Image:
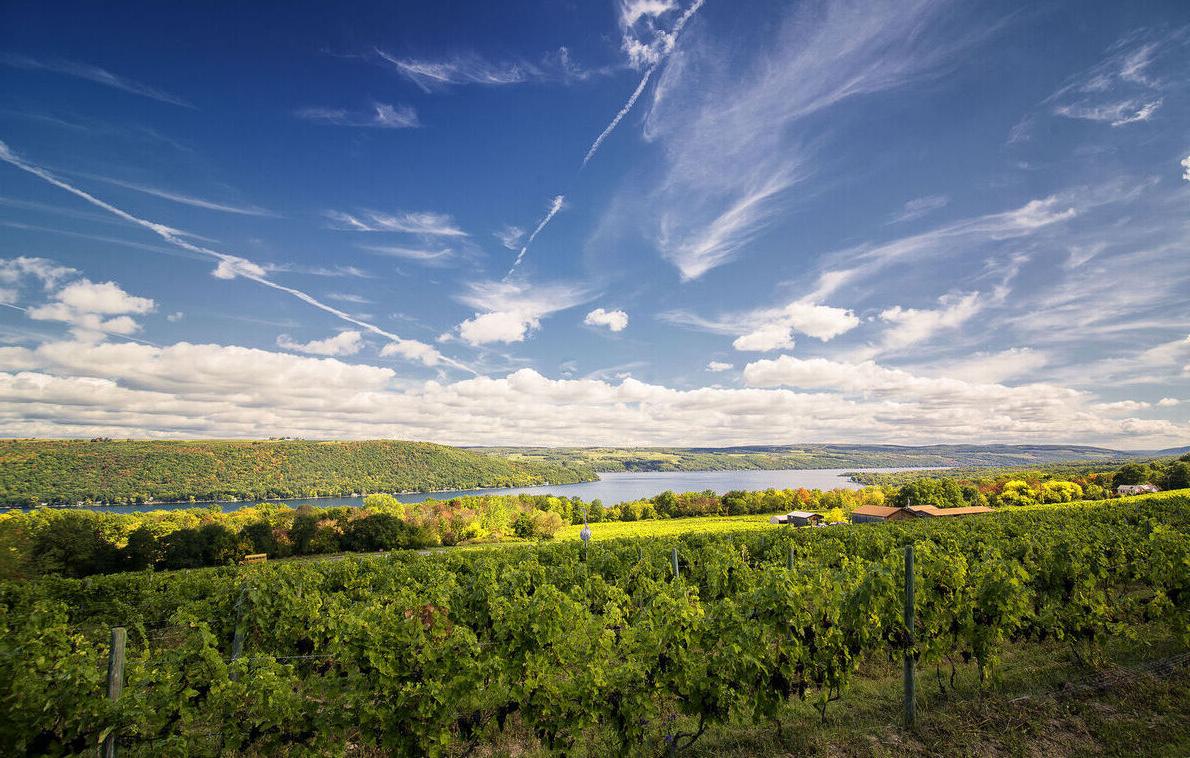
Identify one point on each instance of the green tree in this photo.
(1060, 492)
(380, 531)
(1177, 475)
(142, 550)
(74, 546)
(1132, 473)
(182, 549)
(385, 503)
(1017, 492)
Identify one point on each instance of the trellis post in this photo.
(115, 681)
(910, 673)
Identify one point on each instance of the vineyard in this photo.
(599, 649)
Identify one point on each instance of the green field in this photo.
(667, 527)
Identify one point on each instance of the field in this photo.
(667, 527)
(533, 649)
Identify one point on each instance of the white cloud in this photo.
(920, 206)
(434, 75)
(726, 125)
(94, 74)
(104, 297)
(1120, 89)
(766, 338)
(498, 326)
(382, 116)
(1117, 114)
(229, 266)
(45, 271)
(94, 309)
(991, 367)
(510, 236)
(911, 325)
(1186, 168)
(616, 320)
(183, 390)
(425, 223)
(344, 343)
(510, 311)
(347, 297)
(428, 257)
(175, 316)
(716, 367)
(1168, 402)
(182, 199)
(772, 328)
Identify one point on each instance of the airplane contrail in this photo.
(670, 42)
(231, 266)
(556, 205)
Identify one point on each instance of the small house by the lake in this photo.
(933, 511)
(797, 518)
(1137, 489)
(866, 514)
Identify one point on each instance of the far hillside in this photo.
(129, 471)
(807, 456)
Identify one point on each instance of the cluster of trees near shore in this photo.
(78, 542)
(1055, 483)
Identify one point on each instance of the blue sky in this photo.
(633, 222)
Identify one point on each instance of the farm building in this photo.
(871, 513)
(1137, 489)
(933, 511)
(797, 518)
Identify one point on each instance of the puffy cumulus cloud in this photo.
(772, 328)
(1186, 168)
(46, 272)
(348, 342)
(187, 390)
(498, 326)
(94, 308)
(412, 350)
(1168, 402)
(716, 367)
(230, 266)
(766, 338)
(616, 321)
(508, 311)
(104, 297)
(946, 405)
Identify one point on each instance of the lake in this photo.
(611, 488)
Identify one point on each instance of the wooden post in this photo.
(910, 679)
(674, 556)
(115, 681)
(237, 642)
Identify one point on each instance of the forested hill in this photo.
(122, 471)
(806, 456)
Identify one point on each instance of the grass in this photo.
(611, 530)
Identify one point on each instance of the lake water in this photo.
(611, 488)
